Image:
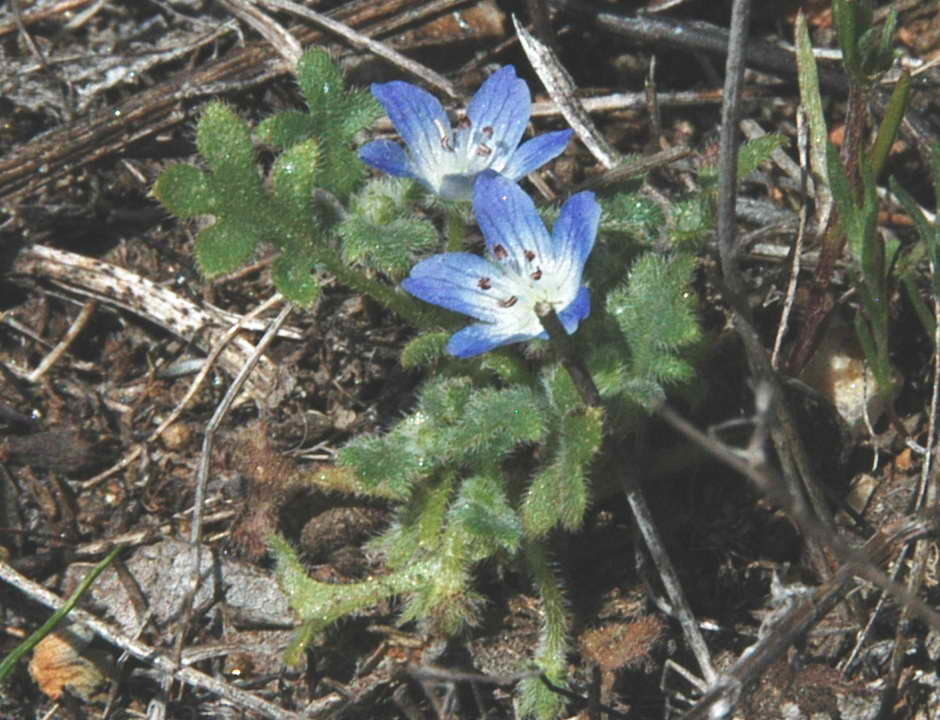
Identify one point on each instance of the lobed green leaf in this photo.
(184, 191)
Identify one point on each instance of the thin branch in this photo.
(194, 386)
(202, 471)
(278, 37)
(561, 88)
(88, 309)
(806, 613)
(358, 40)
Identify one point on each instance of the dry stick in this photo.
(561, 88)
(286, 45)
(926, 498)
(790, 628)
(634, 168)
(694, 36)
(721, 698)
(802, 143)
(241, 699)
(574, 364)
(21, 27)
(207, 365)
(612, 102)
(118, 286)
(652, 106)
(361, 41)
(21, 20)
(793, 456)
(202, 470)
(77, 326)
(755, 467)
(97, 134)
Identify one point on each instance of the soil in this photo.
(97, 98)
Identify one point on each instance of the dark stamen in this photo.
(484, 283)
(529, 256)
(446, 143)
(464, 123)
(509, 302)
(537, 275)
(484, 151)
(487, 132)
(499, 252)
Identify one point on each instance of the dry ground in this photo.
(95, 99)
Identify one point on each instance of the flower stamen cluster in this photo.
(446, 159)
(526, 269)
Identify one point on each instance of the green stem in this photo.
(553, 644)
(454, 227)
(10, 661)
(570, 357)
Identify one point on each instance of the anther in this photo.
(487, 131)
(537, 275)
(465, 123)
(484, 151)
(484, 283)
(499, 252)
(529, 256)
(509, 302)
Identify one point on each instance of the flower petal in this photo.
(576, 228)
(481, 337)
(452, 280)
(577, 310)
(504, 104)
(386, 156)
(507, 217)
(534, 153)
(417, 115)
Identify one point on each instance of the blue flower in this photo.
(526, 267)
(447, 160)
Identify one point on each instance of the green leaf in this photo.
(632, 213)
(285, 129)
(424, 350)
(295, 279)
(392, 247)
(294, 176)
(841, 189)
(756, 151)
(656, 315)
(320, 80)
(322, 604)
(559, 495)
(443, 400)
(224, 247)
(184, 191)
(693, 220)
(847, 30)
(494, 423)
(482, 510)
(224, 141)
(890, 124)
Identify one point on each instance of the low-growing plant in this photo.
(501, 447)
